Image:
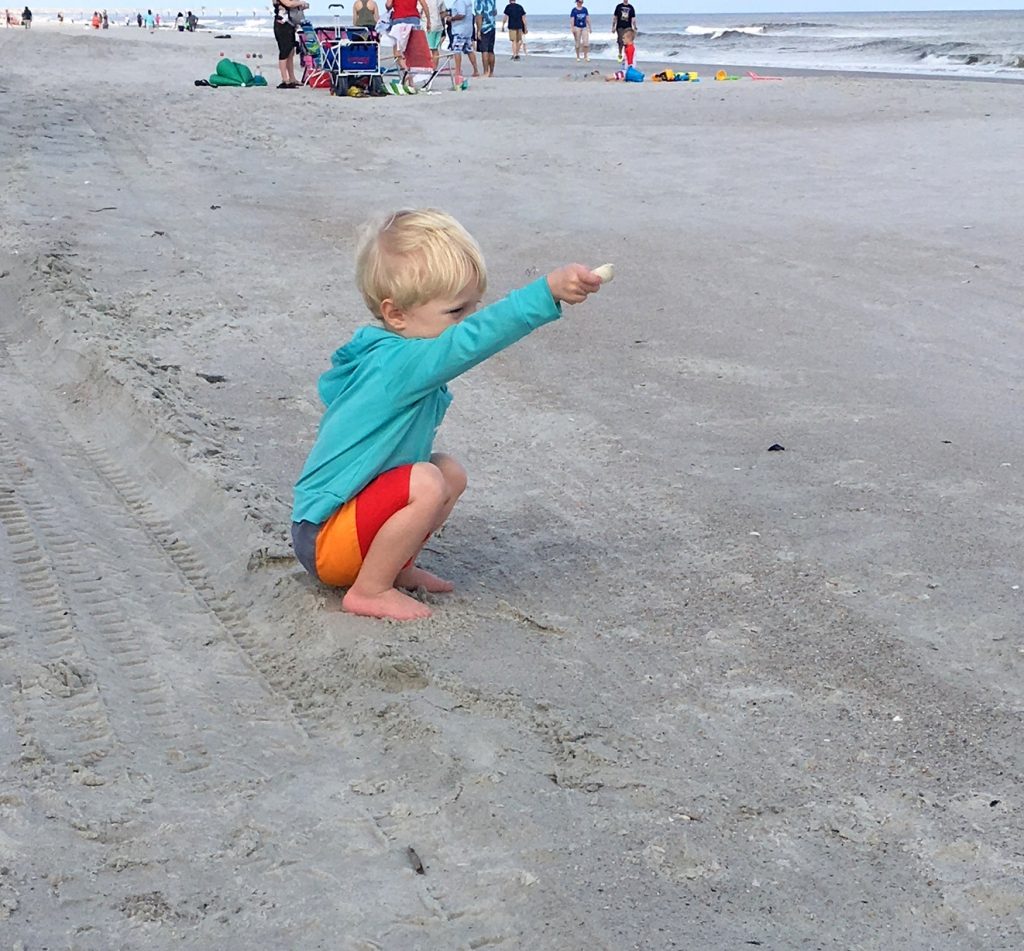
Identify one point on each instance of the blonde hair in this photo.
(416, 256)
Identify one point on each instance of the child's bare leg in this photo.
(373, 593)
(455, 482)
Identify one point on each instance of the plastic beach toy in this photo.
(722, 75)
(670, 76)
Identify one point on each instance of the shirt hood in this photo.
(346, 361)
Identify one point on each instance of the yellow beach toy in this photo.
(722, 75)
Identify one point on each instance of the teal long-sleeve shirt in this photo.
(386, 395)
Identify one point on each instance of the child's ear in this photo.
(392, 316)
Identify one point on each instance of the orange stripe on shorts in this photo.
(346, 536)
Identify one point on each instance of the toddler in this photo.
(372, 489)
(628, 57)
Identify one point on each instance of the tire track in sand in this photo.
(122, 619)
(145, 693)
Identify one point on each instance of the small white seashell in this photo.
(606, 272)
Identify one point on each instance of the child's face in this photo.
(434, 317)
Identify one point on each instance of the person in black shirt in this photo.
(515, 17)
(623, 19)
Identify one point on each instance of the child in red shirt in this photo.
(628, 47)
(629, 55)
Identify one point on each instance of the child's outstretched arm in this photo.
(432, 362)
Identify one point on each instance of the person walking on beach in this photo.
(191, 21)
(515, 18)
(624, 18)
(579, 19)
(486, 14)
(460, 15)
(138, 19)
(105, 20)
(150, 21)
(372, 490)
(287, 16)
(179, 22)
(26, 18)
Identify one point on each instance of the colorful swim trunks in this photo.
(334, 551)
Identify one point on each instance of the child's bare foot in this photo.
(388, 604)
(414, 578)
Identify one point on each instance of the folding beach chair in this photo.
(420, 63)
(358, 63)
(317, 54)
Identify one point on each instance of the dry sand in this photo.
(690, 693)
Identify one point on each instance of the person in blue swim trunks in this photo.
(486, 14)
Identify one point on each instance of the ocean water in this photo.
(947, 43)
(968, 43)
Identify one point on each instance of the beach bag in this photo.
(633, 75)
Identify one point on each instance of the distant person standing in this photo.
(436, 30)
(486, 14)
(191, 21)
(365, 14)
(579, 19)
(138, 19)
(460, 15)
(26, 18)
(405, 18)
(623, 19)
(150, 21)
(179, 22)
(287, 16)
(106, 20)
(515, 18)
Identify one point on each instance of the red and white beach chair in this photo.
(419, 63)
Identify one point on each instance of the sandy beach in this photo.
(690, 693)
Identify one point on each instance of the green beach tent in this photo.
(235, 74)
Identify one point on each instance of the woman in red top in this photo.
(405, 11)
(405, 17)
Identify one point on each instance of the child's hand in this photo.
(573, 283)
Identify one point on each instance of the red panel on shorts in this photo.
(387, 494)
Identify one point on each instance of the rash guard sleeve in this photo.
(423, 365)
